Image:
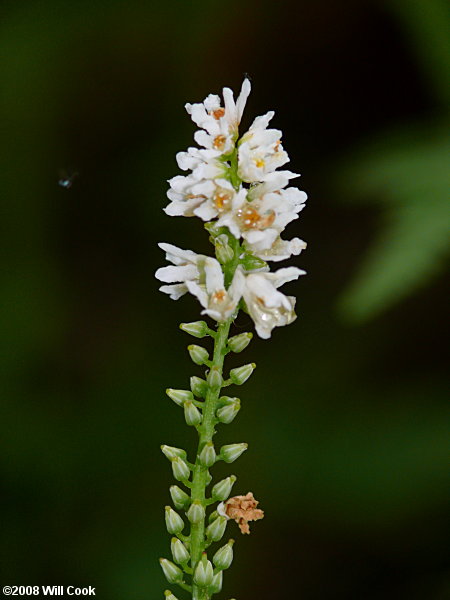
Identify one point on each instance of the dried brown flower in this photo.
(243, 509)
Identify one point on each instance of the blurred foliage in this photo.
(407, 174)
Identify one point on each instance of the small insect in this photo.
(66, 178)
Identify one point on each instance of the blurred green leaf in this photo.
(427, 26)
(409, 175)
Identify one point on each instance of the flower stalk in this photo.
(235, 188)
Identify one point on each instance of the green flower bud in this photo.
(180, 499)
(213, 516)
(212, 228)
(196, 512)
(179, 396)
(224, 400)
(224, 556)
(179, 552)
(180, 470)
(241, 374)
(174, 522)
(172, 572)
(207, 456)
(214, 378)
(169, 596)
(198, 354)
(216, 583)
(203, 574)
(216, 529)
(231, 452)
(227, 413)
(239, 342)
(191, 414)
(199, 387)
(170, 452)
(224, 251)
(222, 490)
(198, 329)
(251, 262)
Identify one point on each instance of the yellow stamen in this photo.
(219, 142)
(218, 113)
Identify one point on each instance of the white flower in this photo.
(261, 220)
(218, 302)
(189, 266)
(272, 182)
(206, 199)
(260, 150)
(267, 306)
(220, 124)
(203, 163)
(187, 193)
(282, 249)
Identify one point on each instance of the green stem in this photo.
(234, 177)
(206, 432)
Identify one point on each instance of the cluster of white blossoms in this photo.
(236, 186)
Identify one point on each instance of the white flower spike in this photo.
(238, 187)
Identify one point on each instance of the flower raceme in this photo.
(236, 187)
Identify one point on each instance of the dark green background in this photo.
(346, 415)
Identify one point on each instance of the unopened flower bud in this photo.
(169, 596)
(203, 574)
(191, 414)
(216, 583)
(180, 499)
(214, 378)
(207, 456)
(198, 329)
(231, 452)
(241, 374)
(174, 522)
(196, 512)
(170, 452)
(179, 551)
(180, 469)
(222, 490)
(224, 556)
(172, 572)
(224, 400)
(224, 251)
(239, 342)
(199, 387)
(216, 529)
(213, 516)
(251, 262)
(179, 396)
(198, 354)
(227, 413)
